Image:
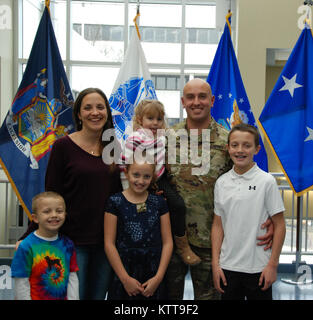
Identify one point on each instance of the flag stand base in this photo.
(296, 279)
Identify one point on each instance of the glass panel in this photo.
(160, 30)
(58, 17)
(200, 16)
(32, 13)
(171, 102)
(31, 17)
(161, 82)
(100, 77)
(101, 33)
(157, 15)
(200, 53)
(198, 73)
(162, 52)
(172, 83)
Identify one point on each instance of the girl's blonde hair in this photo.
(148, 107)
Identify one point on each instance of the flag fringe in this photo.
(300, 193)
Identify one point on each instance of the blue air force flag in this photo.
(231, 104)
(287, 117)
(41, 112)
(132, 85)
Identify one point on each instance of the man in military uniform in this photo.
(197, 190)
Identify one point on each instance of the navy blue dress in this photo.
(138, 241)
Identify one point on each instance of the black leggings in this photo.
(241, 286)
(176, 205)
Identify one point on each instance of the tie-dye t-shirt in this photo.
(47, 264)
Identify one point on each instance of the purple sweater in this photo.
(86, 183)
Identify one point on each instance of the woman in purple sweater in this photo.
(77, 172)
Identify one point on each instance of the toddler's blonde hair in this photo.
(148, 107)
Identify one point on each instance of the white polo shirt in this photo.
(244, 203)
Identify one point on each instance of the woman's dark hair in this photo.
(78, 103)
(77, 107)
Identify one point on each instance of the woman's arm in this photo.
(167, 248)
(131, 285)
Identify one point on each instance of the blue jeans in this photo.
(95, 272)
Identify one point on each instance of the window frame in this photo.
(200, 70)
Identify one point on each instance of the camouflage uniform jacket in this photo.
(197, 190)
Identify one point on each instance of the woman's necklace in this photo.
(94, 153)
(91, 148)
(94, 150)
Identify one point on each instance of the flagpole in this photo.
(299, 231)
(296, 278)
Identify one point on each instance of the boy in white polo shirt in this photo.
(244, 198)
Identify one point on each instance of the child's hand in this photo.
(150, 286)
(132, 286)
(268, 276)
(218, 275)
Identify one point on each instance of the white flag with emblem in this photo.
(132, 85)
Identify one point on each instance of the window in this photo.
(178, 37)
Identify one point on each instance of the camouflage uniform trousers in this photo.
(201, 276)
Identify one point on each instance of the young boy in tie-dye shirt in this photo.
(44, 265)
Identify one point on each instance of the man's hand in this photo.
(267, 239)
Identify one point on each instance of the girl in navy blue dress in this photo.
(138, 240)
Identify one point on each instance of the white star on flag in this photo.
(220, 96)
(310, 136)
(290, 85)
(230, 95)
(241, 100)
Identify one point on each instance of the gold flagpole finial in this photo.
(47, 4)
(136, 24)
(227, 20)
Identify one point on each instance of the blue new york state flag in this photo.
(287, 117)
(132, 85)
(41, 112)
(231, 104)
